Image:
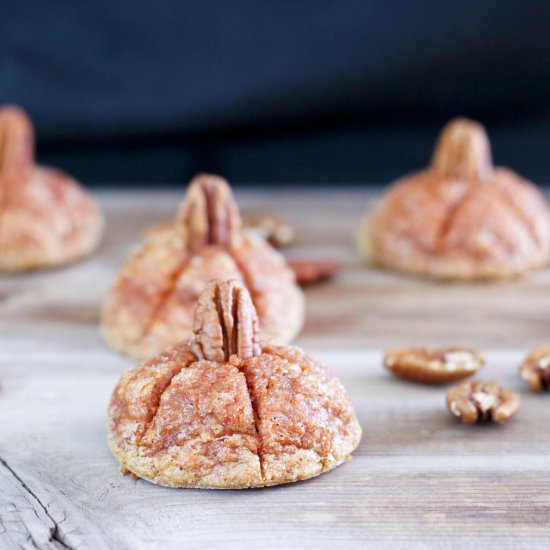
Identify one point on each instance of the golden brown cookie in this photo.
(224, 411)
(460, 219)
(46, 218)
(151, 304)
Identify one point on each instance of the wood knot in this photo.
(16, 142)
(209, 213)
(463, 152)
(226, 323)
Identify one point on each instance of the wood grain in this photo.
(419, 478)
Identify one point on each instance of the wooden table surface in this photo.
(418, 479)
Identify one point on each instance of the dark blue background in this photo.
(308, 92)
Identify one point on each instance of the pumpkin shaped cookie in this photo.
(151, 303)
(46, 218)
(224, 411)
(462, 218)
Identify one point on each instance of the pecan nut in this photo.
(16, 142)
(463, 152)
(210, 214)
(225, 323)
(432, 365)
(275, 231)
(535, 369)
(308, 272)
(481, 402)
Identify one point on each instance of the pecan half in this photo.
(225, 323)
(16, 142)
(463, 152)
(482, 401)
(308, 272)
(210, 214)
(275, 231)
(535, 369)
(433, 366)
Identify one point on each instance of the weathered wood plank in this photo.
(24, 522)
(418, 474)
(418, 479)
(36, 514)
(363, 308)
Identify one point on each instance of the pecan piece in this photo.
(463, 152)
(16, 142)
(535, 369)
(433, 365)
(225, 323)
(481, 401)
(210, 215)
(308, 272)
(275, 231)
